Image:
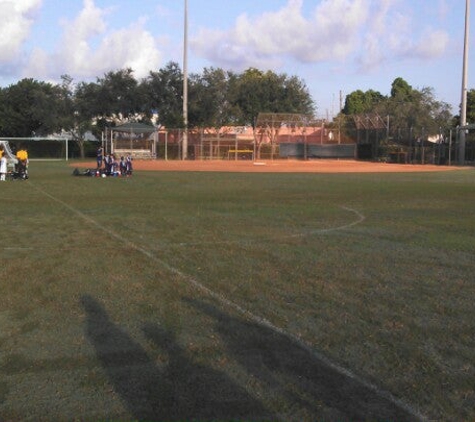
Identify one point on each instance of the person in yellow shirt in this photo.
(22, 155)
(22, 166)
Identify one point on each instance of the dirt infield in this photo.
(281, 166)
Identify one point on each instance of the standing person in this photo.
(128, 165)
(107, 164)
(22, 166)
(122, 166)
(113, 165)
(100, 157)
(3, 166)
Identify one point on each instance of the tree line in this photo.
(407, 108)
(216, 98)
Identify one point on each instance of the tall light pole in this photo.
(185, 84)
(463, 111)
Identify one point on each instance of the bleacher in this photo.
(137, 154)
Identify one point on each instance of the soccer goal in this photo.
(40, 148)
(11, 158)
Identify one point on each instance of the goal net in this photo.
(5, 147)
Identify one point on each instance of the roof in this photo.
(134, 127)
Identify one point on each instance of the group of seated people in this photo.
(110, 166)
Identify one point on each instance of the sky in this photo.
(334, 46)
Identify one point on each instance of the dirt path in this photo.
(281, 166)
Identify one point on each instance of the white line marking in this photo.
(232, 305)
(359, 220)
(12, 248)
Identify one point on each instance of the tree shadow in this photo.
(292, 371)
(178, 390)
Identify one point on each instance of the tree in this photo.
(411, 112)
(257, 92)
(210, 104)
(89, 102)
(78, 118)
(359, 102)
(416, 112)
(120, 95)
(471, 106)
(31, 108)
(401, 90)
(164, 94)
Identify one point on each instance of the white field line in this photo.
(360, 218)
(232, 305)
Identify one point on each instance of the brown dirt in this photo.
(281, 166)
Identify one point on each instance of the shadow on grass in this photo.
(288, 370)
(179, 390)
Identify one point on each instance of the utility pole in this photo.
(185, 84)
(463, 111)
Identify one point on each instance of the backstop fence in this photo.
(291, 137)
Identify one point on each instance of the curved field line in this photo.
(360, 218)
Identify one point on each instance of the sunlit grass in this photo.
(104, 288)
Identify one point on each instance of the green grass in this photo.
(124, 298)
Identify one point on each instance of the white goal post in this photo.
(24, 143)
(5, 147)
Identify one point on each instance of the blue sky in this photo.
(335, 46)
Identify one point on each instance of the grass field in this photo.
(235, 296)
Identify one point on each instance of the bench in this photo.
(236, 153)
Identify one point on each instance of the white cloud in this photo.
(17, 19)
(432, 44)
(374, 54)
(365, 33)
(396, 35)
(332, 32)
(338, 28)
(130, 47)
(370, 32)
(374, 50)
(88, 48)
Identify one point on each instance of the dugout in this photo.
(137, 139)
(227, 143)
(309, 151)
